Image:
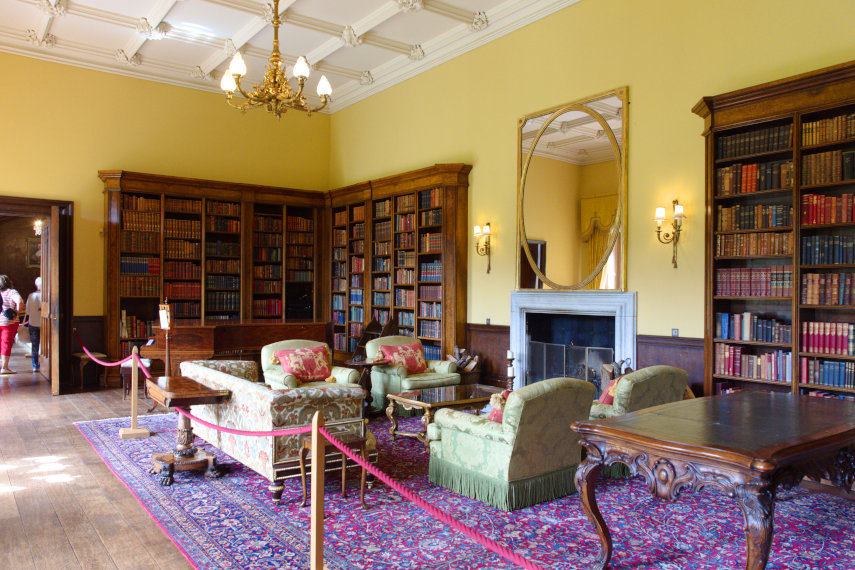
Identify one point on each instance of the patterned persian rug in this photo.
(232, 523)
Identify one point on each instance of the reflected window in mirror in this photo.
(572, 193)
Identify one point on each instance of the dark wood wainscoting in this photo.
(491, 342)
(91, 331)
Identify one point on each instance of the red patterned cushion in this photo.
(308, 364)
(411, 356)
(608, 395)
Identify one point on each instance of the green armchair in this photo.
(393, 378)
(529, 458)
(276, 378)
(644, 388)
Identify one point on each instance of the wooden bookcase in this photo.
(780, 236)
(399, 252)
(220, 252)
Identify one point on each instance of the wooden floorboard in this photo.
(60, 506)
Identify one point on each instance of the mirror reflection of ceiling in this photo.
(576, 137)
(363, 46)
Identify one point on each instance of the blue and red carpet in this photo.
(232, 523)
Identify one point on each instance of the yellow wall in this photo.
(62, 124)
(669, 52)
(552, 214)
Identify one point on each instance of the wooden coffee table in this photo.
(747, 444)
(183, 392)
(430, 399)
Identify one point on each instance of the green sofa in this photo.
(276, 378)
(393, 379)
(644, 388)
(529, 458)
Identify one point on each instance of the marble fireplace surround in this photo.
(620, 305)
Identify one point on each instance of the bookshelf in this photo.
(780, 253)
(222, 253)
(411, 272)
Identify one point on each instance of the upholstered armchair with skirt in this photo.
(276, 377)
(528, 458)
(643, 388)
(396, 377)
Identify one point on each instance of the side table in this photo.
(364, 367)
(352, 441)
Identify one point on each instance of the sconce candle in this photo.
(482, 241)
(676, 224)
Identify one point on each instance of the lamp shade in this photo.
(660, 215)
(678, 211)
(477, 231)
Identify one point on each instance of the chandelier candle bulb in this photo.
(301, 67)
(324, 87)
(238, 65)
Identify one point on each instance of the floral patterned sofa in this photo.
(254, 406)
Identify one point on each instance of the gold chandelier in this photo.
(275, 91)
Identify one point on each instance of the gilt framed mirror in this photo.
(571, 196)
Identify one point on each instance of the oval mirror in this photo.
(572, 195)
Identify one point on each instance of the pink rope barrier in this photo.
(432, 510)
(292, 431)
(142, 366)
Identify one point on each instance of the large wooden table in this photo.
(746, 444)
(183, 392)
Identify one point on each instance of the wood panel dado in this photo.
(491, 342)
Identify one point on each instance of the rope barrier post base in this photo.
(316, 545)
(134, 431)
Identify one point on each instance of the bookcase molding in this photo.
(780, 236)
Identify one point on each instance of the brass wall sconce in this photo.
(676, 224)
(482, 242)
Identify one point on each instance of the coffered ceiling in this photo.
(362, 46)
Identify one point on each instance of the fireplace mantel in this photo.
(620, 305)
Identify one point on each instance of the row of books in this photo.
(339, 302)
(340, 218)
(140, 203)
(432, 352)
(754, 177)
(339, 269)
(356, 322)
(186, 309)
(130, 326)
(356, 297)
(133, 265)
(405, 203)
(300, 238)
(827, 372)
(383, 299)
(339, 318)
(183, 290)
(821, 209)
(299, 263)
(298, 224)
(357, 281)
(268, 254)
(430, 242)
(267, 224)
(431, 271)
(267, 287)
(339, 237)
(827, 289)
(403, 331)
(433, 292)
(382, 283)
(405, 297)
(267, 271)
(222, 301)
(183, 205)
(774, 281)
(133, 242)
(357, 247)
(126, 347)
(222, 266)
(357, 213)
(382, 248)
(430, 310)
(381, 264)
(753, 217)
(339, 254)
(405, 240)
(828, 130)
(139, 285)
(382, 315)
(267, 240)
(406, 319)
(186, 229)
(831, 395)
(181, 249)
(222, 282)
(405, 222)
(430, 198)
(431, 218)
(383, 230)
(754, 244)
(405, 276)
(430, 329)
(182, 270)
(828, 338)
(752, 327)
(299, 250)
(222, 248)
(357, 231)
(267, 307)
(775, 366)
(219, 224)
(340, 341)
(297, 276)
(828, 249)
(405, 259)
(357, 264)
(768, 139)
(223, 208)
(339, 284)
(383, 208)
(830, 166)
(141, 221)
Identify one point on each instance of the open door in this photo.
(56, 251)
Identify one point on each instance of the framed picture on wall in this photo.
(34, 252)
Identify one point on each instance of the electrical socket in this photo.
(675, 332)
(488, 321)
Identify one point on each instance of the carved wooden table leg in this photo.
(426, 419)
(758, 506)
(586, 479)
(390, 413)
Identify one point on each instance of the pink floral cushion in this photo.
(608, 395)
(308, 364)
(411, 356)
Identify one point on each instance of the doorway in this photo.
(51, 252)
